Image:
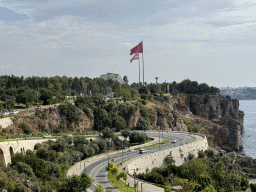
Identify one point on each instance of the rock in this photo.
(50, 118)
(27, 183)
(225, 110)
(134, 118)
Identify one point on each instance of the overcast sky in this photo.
(211, 41)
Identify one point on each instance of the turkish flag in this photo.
(135, 57)
(137, 49)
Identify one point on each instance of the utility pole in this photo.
(5, 104)
(159, 140)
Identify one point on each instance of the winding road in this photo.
(97, 169)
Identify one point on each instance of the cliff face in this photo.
(47, 120)
(166, 119)
(226, 115)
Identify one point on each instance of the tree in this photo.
(99, 188)
(125, 79)
(76, 183)
(136, 137)
(143, 89)
(108, 133)
(125, 133)
(119, 123)
(27, 96)
(169, 159)
(134, 93)
(122, 175)
(45, 95)
(143, 124)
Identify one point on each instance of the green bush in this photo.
(191, 156)
(201, 154)
(209, 153)
(70, 112)
(42, 153)
(143, 96)
(153, 177)
(142, 124)
(191, 126)
(37, 146)
(136, 137)
(25, 128)
(253, 187)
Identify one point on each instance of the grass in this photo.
(147, 141)
(119, 185)
(154, 145)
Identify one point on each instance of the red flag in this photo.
(135, 57)
(137, 49)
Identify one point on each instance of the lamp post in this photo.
(134, 174)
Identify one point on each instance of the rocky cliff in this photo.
(224, 112)
(50, 119)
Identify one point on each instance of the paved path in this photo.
(81, 166)
(95, 166)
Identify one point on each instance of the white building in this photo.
(113, 76)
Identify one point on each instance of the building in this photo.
(113, 76)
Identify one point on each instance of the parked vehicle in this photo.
(174, 141)
(47, 136)
(13, 112)
(5, 113)
(143, 151)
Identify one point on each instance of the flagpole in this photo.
(143, 63)
(139, 71)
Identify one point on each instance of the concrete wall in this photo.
(179, 153)
(11, 147)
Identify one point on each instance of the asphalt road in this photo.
(101, 173)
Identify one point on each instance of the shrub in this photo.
(75, 156)
(102, 145)
(191, 156)
(79, 139)
(143, 96)
(191, 126)
(37, 146)
(24, 168)
(59, 145)
(153, 177)
(209, 153)
(42, 153)
(136, 137)
(125, 133)
(108, 133)
(142, 124)
(25, 128)
(201, 154)
(53, 169)
(253, 187)
(70, 112)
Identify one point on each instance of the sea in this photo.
(249, 134)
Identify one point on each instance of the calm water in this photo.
(249, 135)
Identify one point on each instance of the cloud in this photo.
(8, 15)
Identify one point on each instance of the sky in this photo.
(206, 41)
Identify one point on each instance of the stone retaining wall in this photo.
(179, 153)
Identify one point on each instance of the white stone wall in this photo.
(179, 153)
(18, 146)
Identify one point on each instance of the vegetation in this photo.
(214, 173)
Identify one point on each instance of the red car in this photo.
(38, 108)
